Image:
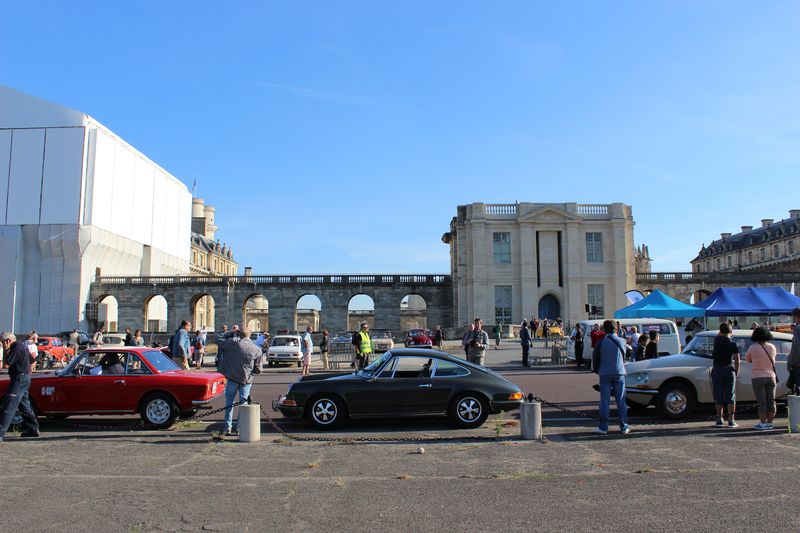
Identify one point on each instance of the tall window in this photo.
(719, 263)
(776, 251)
(594, 247)
(502, 248)
(502, 304)
(762, 254)
(730, 261)
(790, 247)
(750, 257)
(595, 297)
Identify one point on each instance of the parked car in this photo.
(150, 384)
(382, 341)
(113, 339)
(285, 349)
(677, 384)
(400, 383)
(419, 338)
(51, 351)
(84, 339)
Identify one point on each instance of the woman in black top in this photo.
(651, 351)
(639, 354)
(323, 348)
(724, 372)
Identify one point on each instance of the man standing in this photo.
(525, 341)
(793, 362)
(608, 359)
(18, 360)
(220, 352)
(498, 332)
(33, 348)
(128, 337)
(237, 367)
(180, 345)
(306, 348)
(724, 373)
(534, 327)
(478, 342)
(596, 335)
(438, 338)
(73, 340)
(363, 345)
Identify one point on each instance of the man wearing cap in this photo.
(18, 360)
(363, 345)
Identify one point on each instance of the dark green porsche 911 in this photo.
(402, 383)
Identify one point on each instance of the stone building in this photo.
(208, 258)
(511, 262)
(775, 246)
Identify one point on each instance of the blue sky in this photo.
(341, 136)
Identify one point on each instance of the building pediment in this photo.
(549, 214)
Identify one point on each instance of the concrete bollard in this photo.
(250, 423)
(530, 419)
(794, 413)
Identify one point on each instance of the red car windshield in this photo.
(160, 361)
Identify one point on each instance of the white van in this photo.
(668, 343)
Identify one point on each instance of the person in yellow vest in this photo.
(363, 345)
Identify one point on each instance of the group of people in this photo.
(635, 346)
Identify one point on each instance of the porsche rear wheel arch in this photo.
(326, 411)
(159, 410)
(469, 409)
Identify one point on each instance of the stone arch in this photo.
(108, 313)
(255, 312)
(413, 312)
(203, 308)
(549, 306)
(360, 308)
(700, 295)
(308, 312)
(156, 314)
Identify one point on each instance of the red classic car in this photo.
(51, 351)
(123, 380)
(419, 338)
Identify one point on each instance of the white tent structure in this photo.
(76, 200)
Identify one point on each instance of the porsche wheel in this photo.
(325, 411)
(469, 410)
(159, 411)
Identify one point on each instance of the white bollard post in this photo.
(794, 413)
(250, 423)
(530, 421)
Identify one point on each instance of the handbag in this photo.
(777, 380)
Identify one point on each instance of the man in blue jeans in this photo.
(608, 359)
(237, 367)
(19, 362)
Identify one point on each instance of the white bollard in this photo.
(530, 421)
(794, 413)
(250, 423)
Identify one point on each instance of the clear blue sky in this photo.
(341, 136)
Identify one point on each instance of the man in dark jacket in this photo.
(525, 340)
(19, 362)
(241, 355)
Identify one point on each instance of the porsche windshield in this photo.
(375, 365)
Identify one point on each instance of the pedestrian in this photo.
(793, 361)
(438, 338)
(128, 337)
(97, 339)
(596, 335)
(138, 340)
(179, 347)
(535, 327)
(545, 328)
(651, 352)
(525, 341)
(498, 332)
(478, 342)
(608, 360)
(577, 337)
(33, 348)
(634, 335)
(199, 349)
(762, 354)
(641, 348)
(306, 348)
(363, 346)
(19, 362)
(754, 326)
(465, 340)
(220, 352)
(241, 355)
(724, 373)
(74, 338)
(324, 346)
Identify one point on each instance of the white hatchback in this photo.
(285, 349)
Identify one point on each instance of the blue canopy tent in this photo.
(659, 305)
(749, 301)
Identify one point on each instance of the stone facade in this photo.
(774, 247)
(511, 262)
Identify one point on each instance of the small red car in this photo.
(52, 350)
(419, 338)
(123, 380)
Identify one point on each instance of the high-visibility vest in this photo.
(364, 343)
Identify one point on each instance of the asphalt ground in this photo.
(106, 476)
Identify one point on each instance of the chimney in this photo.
(745, 229)
(724, 235)
(766, 222)
(794, 213)
(248, 271)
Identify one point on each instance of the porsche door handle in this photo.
(426, 385)
(121, 381)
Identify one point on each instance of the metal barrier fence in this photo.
(550, 351)
(341, 355)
